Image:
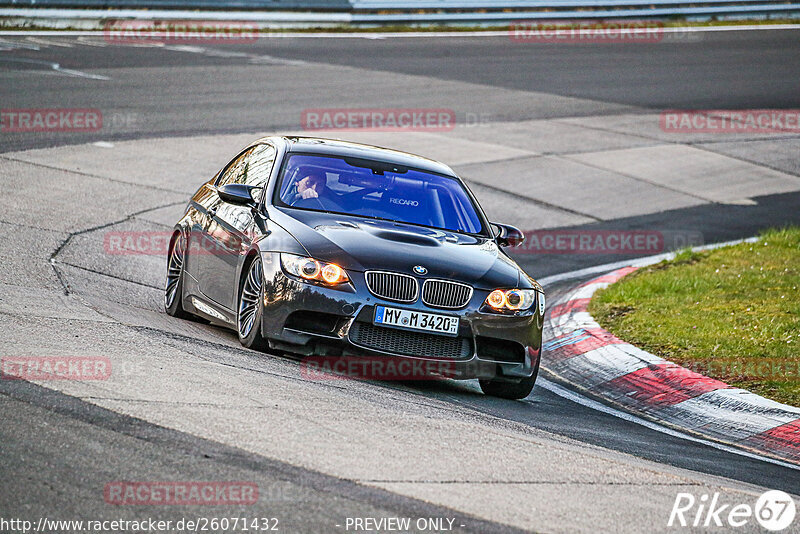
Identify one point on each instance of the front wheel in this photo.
(251, 307)
(173, 290)
(508, 390)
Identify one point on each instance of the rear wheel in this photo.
(173, 290)
(251, 307)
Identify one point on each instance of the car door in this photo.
(206, 246)
(199, 205)
(231, 227)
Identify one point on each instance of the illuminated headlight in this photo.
(314, 270)
(511, 299)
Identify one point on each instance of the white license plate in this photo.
(416, 320)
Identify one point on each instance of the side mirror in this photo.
(507, 235)
(239, 194)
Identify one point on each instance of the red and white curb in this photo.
(582, 354)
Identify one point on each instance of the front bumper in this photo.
(314, 320)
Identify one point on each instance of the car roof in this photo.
(338, 147)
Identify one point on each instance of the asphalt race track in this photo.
(548, 136)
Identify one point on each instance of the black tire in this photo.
(510, 389)
(250, 307)
(173, 288)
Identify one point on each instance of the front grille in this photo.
(444, 294)
(392, 286)
(407, 343)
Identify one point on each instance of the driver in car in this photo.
(313, 185)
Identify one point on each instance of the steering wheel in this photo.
(327, 204)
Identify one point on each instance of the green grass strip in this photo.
(732, 313)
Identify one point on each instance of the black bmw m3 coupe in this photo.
(324, 247)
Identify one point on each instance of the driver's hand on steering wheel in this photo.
(310, 192)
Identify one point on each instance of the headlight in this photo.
(511, 299)
(314, 270)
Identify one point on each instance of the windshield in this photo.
(379, 190)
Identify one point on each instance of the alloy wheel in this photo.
(250, 298)
(175, 270)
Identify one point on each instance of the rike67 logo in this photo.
(774, 510)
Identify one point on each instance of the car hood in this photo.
(361, 244)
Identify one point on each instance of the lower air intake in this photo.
(396, 341)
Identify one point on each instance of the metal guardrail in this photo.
(382, 12)
(299, 18)
(332, 5)
(524, 4)
(505, 17)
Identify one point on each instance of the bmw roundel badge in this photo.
(419, 269)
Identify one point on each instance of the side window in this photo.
(235, 169)
(258, 166)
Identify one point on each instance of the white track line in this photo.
(49, 42)
(18, 45)
(56, 67)
(78, 73)
(600, 407)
